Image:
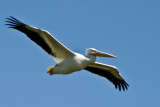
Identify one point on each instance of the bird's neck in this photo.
(91, 58)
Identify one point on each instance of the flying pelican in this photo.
(68, 61)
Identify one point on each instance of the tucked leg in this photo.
(50, 70)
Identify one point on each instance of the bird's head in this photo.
(94, 52)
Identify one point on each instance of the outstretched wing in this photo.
(109, 72)
(43, 38)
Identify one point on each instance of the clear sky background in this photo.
(129, 29)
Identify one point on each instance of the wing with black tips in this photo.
(43, 38)
(109, 72)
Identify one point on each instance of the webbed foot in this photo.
(50, 70)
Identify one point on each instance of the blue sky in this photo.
(125, 28)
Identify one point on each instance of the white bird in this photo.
(68, 61)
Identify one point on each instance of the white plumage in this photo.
(68, 61)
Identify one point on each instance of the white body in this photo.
(72, 64)
(67, 60)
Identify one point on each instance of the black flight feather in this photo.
(16, 24)
(117, 82)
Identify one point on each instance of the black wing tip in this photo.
(122, 85)
(13, 22)
(119, 84)
(12, 18)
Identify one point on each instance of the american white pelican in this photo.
(68, 61)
